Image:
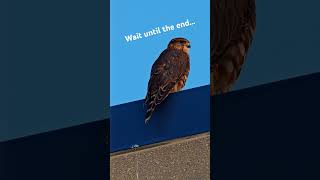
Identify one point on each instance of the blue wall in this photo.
(182, 114)
(268, 132)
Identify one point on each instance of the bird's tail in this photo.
(149, 112)
(155, 98)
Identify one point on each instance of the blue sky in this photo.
(131, 61)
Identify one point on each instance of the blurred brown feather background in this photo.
(233, 25)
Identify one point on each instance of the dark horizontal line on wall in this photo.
(172, 141)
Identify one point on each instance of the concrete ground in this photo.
(180, 159)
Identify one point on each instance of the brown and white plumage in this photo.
(168, 74)
(232, 30)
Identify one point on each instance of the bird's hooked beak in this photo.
(188, 46)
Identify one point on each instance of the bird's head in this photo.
(180, 44)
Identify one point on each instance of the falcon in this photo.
(169, 74)
(232, 31)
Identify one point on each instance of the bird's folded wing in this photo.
(166, 72)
